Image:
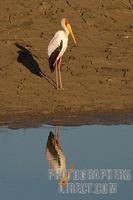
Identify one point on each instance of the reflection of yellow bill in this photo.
(71, 32)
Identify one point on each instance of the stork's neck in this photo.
(65, 30)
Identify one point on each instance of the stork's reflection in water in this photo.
(57, 159)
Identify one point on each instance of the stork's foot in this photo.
(59, 88)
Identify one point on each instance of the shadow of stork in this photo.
(26, 58)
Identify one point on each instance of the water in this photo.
(25, 157)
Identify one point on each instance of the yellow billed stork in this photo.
(57, 47)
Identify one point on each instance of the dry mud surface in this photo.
(97, 73)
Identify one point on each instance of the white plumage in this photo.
(55, 43)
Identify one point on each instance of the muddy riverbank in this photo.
(97, 73)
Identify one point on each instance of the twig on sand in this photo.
(68, 3)
(130, 5)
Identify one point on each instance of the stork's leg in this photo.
(54, 136)
(56, 71)
(55, 130)
(59, 67)
(58, 137)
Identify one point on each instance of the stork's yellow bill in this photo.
(71, 33)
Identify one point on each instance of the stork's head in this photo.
(65, 24)
(64, 180)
